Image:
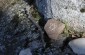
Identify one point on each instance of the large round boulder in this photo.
(70, 11)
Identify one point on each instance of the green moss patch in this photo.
(35, 13)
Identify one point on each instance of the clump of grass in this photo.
(66, 29)
(69, 30)
(35, 13)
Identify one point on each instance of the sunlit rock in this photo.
(54, 28)
(78, 46)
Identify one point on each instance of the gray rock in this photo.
(70, 11)
(25, 52)
(78, 46)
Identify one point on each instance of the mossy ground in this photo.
(69, 30)
(6, 3)
(35, 13)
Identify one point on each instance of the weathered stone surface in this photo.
(71, 11)
(54, 28)
(25, 52)
(14, 27)
(78, 46)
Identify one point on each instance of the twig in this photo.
(39, 28)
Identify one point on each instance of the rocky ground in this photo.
(17, 32)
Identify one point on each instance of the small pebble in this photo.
(25, 52)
